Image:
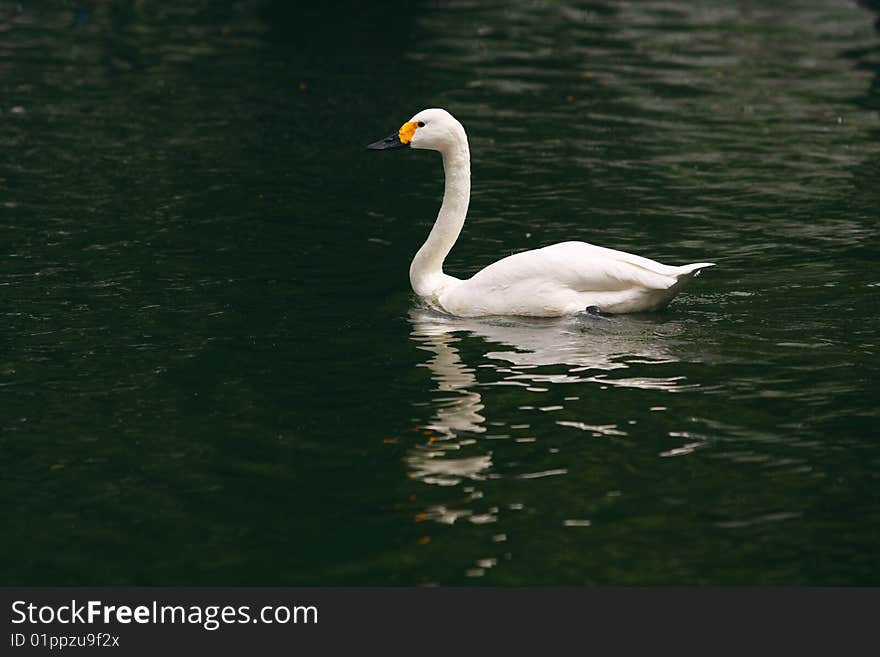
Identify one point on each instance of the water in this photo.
(213, 371)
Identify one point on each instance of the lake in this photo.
(213, 369)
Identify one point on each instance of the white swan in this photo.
(562, 279)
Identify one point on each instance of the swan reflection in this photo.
(530, 353)
(456, 415)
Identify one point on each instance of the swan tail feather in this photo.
(693, 269)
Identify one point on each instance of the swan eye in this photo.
(421, 124)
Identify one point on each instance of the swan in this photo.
(561, 279)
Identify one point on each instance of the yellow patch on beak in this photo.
(406, 132)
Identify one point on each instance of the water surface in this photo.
(213, 370)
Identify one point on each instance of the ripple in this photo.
(758, 520)
(595, 429)
(543, 473)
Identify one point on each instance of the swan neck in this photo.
(426, 272)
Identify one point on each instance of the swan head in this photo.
(431, 129)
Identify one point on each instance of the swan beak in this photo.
(391, 141)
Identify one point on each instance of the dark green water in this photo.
(213, 370)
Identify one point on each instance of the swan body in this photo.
(555, 280)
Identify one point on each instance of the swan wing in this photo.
(578, 266)
(557, 279)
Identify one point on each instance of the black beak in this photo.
(391, 141)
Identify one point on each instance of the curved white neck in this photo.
(426, 271)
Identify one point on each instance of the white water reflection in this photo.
(588, 347)
(532, 354)
(457, 414)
